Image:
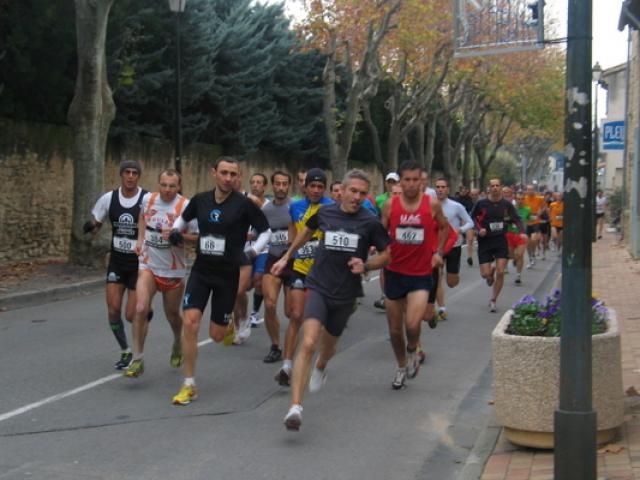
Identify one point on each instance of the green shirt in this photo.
(382, 199)
(524, 213)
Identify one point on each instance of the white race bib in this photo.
(123, 244)
(341, 241)
(533, 217)
(496, 226)
(410, 235)
(155, 239)
(212, 245)
(308, 250)
(558, 217)
(279, 237)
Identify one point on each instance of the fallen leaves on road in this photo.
(611, 448)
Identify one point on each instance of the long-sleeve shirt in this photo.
(495, 217)
(457, 216)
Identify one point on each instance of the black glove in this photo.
(175, 237)
(88, 227)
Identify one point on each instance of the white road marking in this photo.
(69, 393)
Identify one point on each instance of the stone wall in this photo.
(36, 174)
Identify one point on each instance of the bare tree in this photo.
(90, 115)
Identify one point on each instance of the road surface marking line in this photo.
(68, 393)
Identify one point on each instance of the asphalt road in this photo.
(65, 414)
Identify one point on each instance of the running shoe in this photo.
(293, 419)
(274, 355)
(413, 364)
(176, 355)
(125, 360)
(442, 315)
(186, 395)
(422, 355)
(255, 319)
(379, 303)
(518, 280)
(135, 369)
(243, 333)
(150, 315)
(229, 335)
(470, 261)
(399, 379)
(318, 380)
(283, 377)
(492, 306)
(491, 279)
(433, 321)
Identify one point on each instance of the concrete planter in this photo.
(526, 383)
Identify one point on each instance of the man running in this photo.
(122, 207)
(412, 219)
(390, 181)
(535, 203)
(516, 241)
(461, 222)
(300, 211)
(277, 213)
(224, 217)
(258, 184)
(491, 217)
(556, 212)
(334, 282)
(161, 266)
(335, 191)
(601, 207)
(301, 176)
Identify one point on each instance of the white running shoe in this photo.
(399, 379)
(413, 364)
(318, 380)
(243, 333)
(255, 319)
(492, 307)
(293, 419)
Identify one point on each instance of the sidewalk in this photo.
(616, 279)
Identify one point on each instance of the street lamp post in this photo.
(177, 7)
(596, 73)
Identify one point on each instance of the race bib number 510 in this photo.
(341, 241)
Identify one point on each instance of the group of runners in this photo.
(313, 248)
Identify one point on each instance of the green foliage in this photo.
(505, 168)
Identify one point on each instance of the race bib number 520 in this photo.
(341, 241)
(212, 245)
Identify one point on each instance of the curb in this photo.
(23, 299)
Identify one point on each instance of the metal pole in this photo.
(575, 419)
(178, 138)
(595, 159)
(625, 154)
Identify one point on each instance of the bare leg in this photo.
(297, 301)
(145, 291)
(501, 265)
(311, 331)
(171, 302)
(395, 314)
(271, 290)
(190, 327)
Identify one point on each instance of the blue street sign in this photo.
(613, 135)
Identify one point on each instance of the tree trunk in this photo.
(90, 115)
(420, 143)
(466, 164)
(393, 146)
(431, 144)
(375, 137)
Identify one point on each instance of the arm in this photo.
(467, 223)
(142, 225)
(301, 238)
(384, 219)
(443, 232)
(513, 213)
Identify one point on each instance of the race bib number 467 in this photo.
(341, 241)
(410, 235)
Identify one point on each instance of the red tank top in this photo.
(411, 237)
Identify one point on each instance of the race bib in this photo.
(155, 239)
(212, 245)
(341, 241)
(308, 250)
(279, 237)
(558, 217)
(123, 244)
(496, 226)
(533, 217)
(410, 235)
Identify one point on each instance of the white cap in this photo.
(392, 176)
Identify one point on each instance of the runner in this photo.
(335, 191)
(300, 211)
(258, 183)
(535, 203)
(517, 242)
(301, 176)
(556, 212)
(601, 206)
(545, 225)
(224, 217)
(491, 217)
(334, 282)
(122, 207)
(277, 213)
(461, 222)
(161, 266)
(412, 219)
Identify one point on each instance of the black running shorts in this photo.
(398, 285)
(332, 315)
(223, 288)
(452, 260)
(489, 249)
(126, 276)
